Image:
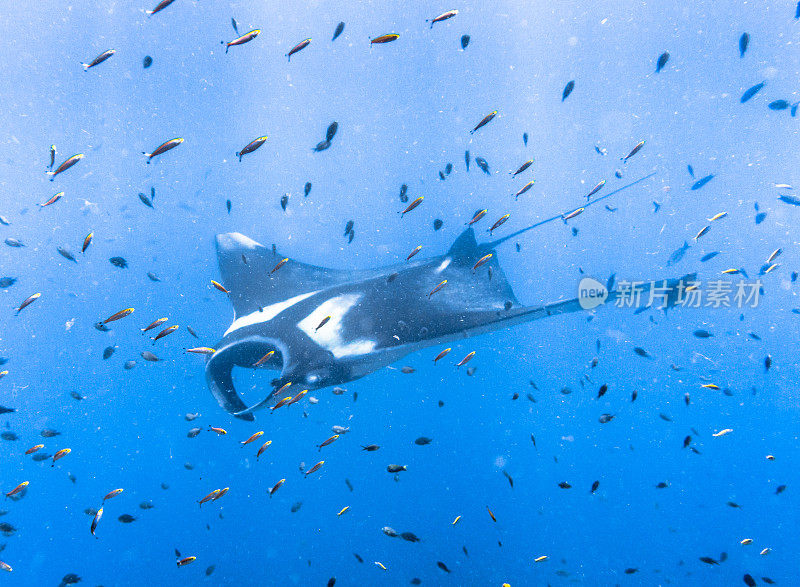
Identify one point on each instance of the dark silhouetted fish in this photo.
(567, 90)
(701, 182)
(338, 31)
(662, 61)
(750, 92)
(464, 41)
(744, 41)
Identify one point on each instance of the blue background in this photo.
(404, 111)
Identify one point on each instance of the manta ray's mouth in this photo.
(244, 353)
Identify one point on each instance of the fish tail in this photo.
(226, 49)
(239, 155)
(50, 172)
(86, 66)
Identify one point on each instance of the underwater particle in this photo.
(567, 90)
(299, 47)
(437, 224)
(147, 61)
(464, 41)
(338, 31)
(752, 91)
(250, 147)
(662, 61)
(245, 38)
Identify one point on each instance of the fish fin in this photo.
(251, 285)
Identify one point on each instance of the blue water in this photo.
(404, 111)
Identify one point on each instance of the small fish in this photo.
(250, 147)
(524, 189)
(284, 201)
(18, 488)
(235, 25)
(765, 552)
(412, 205)
(159, 7)
(153, 324)
(381, 39)
(750, 92)
(264, 359)
(606, 418)
(307, 189)
(219, 286)
(416, 250)
(442, 566)
(744, 41)
(396, 468)
(780, 489)
(147, 61)
(482, 261)
(701, 182)
(52, 200)
(572, 214)
(245, 38)
(5, 566)
(33, 449)
(65, 165)
(641, 352)
(484, 121)
(423, 440)
(327, 441)
(60, 455)
(370, 447)
(228, 205)
(189, 559)
(662, 61)
(299, 47)
(466, 359)
(98, 60)
(96, 521)
(595, 485)
(252, 438)
(28, 301)
(343, 510)
(722, 432)
(113, 493)
(778, 105)
(331, 131)
(118, 315)
(540, 559)
(499, 223)
(700, 333)
(464, 41)
(443, 16)
(263, 448)
(322, 145)
(338, 31)
(148, 356)
(315, 468)
(163, 148)
(165, 332)
(633, 152)
(107, 352)
(87, 241)
(280, 264)
(482, 164)
(596, 189)
(66, 254)
(567, 90)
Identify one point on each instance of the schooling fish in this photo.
(484, 166)
(388, 38)
(247, 37)
(484, 121)
(464, 41)
(443, 16)
(662, 61)
(633, 152)
(338, 31)
(299, 47)
(65, 165)
(99, 59)
(567, 90)
(750, 92)
(251, 146)
(744, 41)
(522, 168)
(160, 6)
(163, 148)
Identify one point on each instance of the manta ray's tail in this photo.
(493, 244)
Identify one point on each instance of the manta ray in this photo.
(329, 326)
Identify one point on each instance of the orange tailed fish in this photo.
(465, 360)
(96, 521)
(328, 441)
(264, 359)
(443, 16)
(482, 261)
(113, 493)
(118, 315)
(478, 215)
(163, 148)
(438, 287)
(28, 301)
(159, 7)
(280, 264)
(65, 165)
(219, 286)
(252, 438)
(154, 324)
(500, 222)
(315, 468)
(524, 189)
(33, 449)
(299, 47)
(87, 241)
(251, 146)
(52, 200)
(99, 59)
(414, 252)
(18, 488)
(243, 39)
(165, 332)
(60, 455)
(412, 205)
(384, 39)
(275, 487)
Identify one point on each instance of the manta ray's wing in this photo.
(249, 271)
